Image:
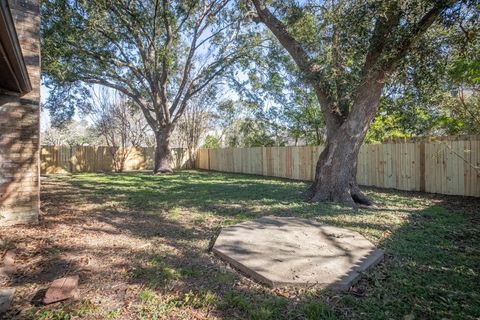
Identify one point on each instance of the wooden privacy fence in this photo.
(444, 166)
(64, 159)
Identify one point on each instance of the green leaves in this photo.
(158, 53)
(466, 71)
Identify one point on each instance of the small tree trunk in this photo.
(118, 159)
(163, 157)
(317, 135)
(122, 155)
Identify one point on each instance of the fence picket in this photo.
(63, 159)
(447, 166)
(450, 166)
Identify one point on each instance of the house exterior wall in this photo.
(19, 127)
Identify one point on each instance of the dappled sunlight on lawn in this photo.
(140, 245)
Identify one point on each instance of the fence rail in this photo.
(445, 166)
(64, 159)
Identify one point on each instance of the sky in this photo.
(44, 116)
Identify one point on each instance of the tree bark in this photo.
(163, 157)
(336, 170)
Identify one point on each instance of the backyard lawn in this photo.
(140, 244)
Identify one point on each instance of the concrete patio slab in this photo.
(295, 252)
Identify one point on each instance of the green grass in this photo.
(432, 255)
(74, 311)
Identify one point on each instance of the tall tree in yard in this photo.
(347, 50)
(159, 53)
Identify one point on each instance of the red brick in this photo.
(62, 289)
(19, 126)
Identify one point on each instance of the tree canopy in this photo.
(158, 53)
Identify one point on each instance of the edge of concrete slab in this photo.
(344, 284)
(374, 258)
(243, 269)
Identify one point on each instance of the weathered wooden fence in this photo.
(446, 166)
(64, 159)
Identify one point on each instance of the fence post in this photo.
(422, 167)
(70, 160)
(208, 156)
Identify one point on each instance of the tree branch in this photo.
(305, 64)
(418, 30)
(145, 110)
(286, 39)
(164, 75)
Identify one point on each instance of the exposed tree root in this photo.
(349, 195)
(163, 171)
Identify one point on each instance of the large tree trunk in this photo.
(336, 170)
(163, 157)
(335, 176)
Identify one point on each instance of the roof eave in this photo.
(11, 52)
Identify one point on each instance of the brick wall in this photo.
(19, 127)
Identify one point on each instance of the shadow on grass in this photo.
(431, 269)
